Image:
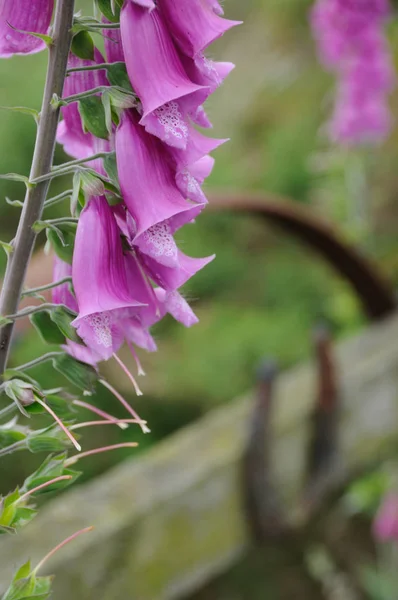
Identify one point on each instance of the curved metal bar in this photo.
(265, 515)
(322, 451)
(375, 294)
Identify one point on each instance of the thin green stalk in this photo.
(31, 310)
(21, 445)
(59, 198)
(93, 92)
(93, 67)
(59, 221)
(38, 361)
(8, 410)
(48, 286)
(81, 161)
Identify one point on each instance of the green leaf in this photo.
(47, 328)
(83, 45)
(63, 318)
(110, 9)
(80, 374)
(16, 177)
(63, 251)
(117, 75)
(17, 203)
(92, 114)
(23, 110)
(9, 248)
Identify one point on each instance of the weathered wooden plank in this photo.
(166, 523)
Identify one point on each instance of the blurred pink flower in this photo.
(385, 526)
(351, 43)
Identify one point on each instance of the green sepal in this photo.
(58, 404)
(21, 392)
(26, 586)
(8, 248)
(13, 516)
(83, 45)
(23, 571)
(110, 9)
(92, 114)
(63, 318)
(47, 328)
(21, 589)
(52, 467)
(117, 75)
(80, 374)
(51, 439)
(63, 250)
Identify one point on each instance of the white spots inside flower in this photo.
(170, 117)
(101, 326)
(191, 186)
(159, 237)
(209, 68)
(177, 306)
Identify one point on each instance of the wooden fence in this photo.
(170, 521)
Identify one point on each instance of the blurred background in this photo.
(264, 292)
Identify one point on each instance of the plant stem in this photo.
(94, 67)
(41, 164)
(11, 408)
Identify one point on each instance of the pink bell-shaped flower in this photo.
(23, 15)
